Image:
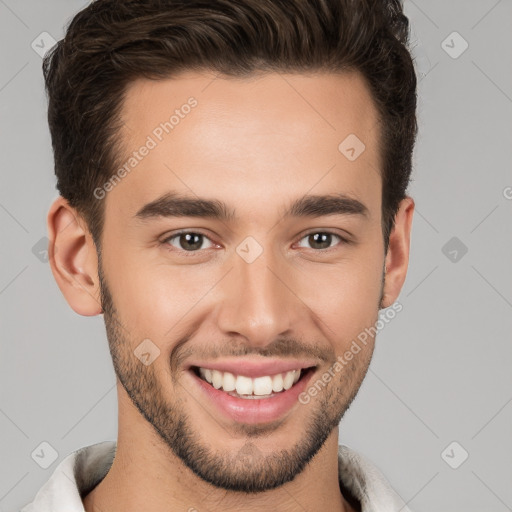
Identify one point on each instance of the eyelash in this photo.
(343, 241)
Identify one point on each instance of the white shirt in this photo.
(82, 470)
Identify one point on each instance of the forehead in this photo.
(249, 140)
(322, 101)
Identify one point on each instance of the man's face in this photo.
(255, 293)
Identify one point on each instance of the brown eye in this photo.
(188, 241)
(321, 240)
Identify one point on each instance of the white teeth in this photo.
(277, 383)
(257, 387)
(244, 385)
(229, 383)
(288, 380)
(216, 379)
(206, 374)
(262, 386)
(250, 397)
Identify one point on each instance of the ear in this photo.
(397, 257)
(73, 258)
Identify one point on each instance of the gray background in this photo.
(442, 368)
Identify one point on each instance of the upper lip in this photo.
(255, 368)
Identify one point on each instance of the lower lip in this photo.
(257, 410)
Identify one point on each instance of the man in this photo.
(232, 179)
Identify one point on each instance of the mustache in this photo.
(281, 347)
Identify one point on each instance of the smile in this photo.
(251, 393)
(252, 388)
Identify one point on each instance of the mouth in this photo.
(257, 388)
(251, 395)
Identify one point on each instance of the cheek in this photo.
(152, 299)
(346, 298)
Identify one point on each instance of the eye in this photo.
(322, 240)
(189, 241)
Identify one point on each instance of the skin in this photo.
(257, 144)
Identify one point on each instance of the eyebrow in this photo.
(177, 205)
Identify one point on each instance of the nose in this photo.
(258, 302)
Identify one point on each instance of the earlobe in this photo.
(73, 258)
(397, 257)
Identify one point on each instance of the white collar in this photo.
(79, 472)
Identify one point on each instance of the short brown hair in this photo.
(112, 42)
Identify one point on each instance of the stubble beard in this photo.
(248, 470)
